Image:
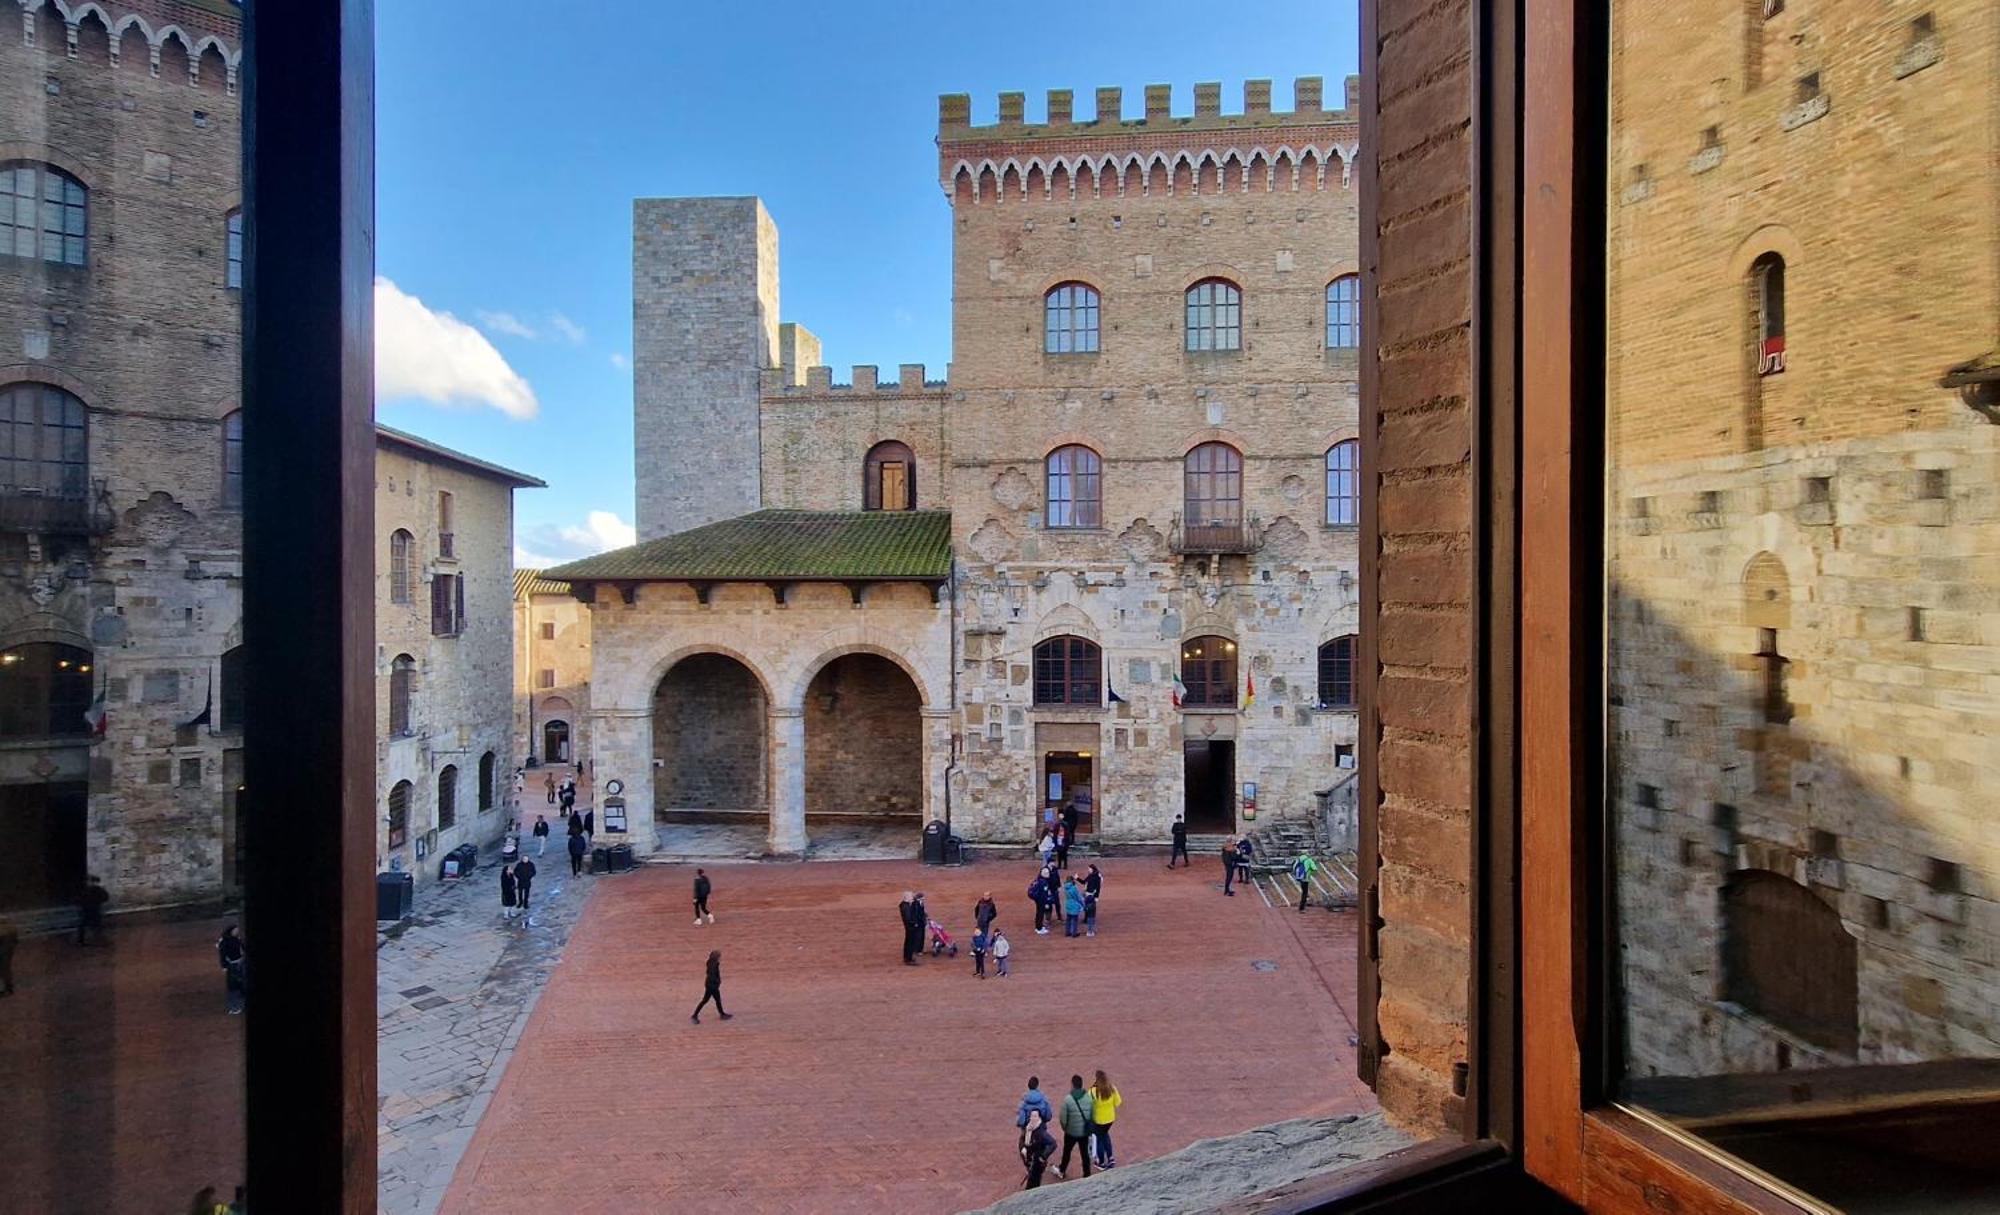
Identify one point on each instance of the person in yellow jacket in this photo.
(1104, 1102)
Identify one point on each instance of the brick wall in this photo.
(864, 739)
(1417, 443)
(709, 737)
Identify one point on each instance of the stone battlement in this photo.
(189, 36)
(818, 381)
(1306, 147)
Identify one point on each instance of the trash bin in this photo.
(600, 860)
(934, 842)
(395, 894)
(954, 850)
(459, 862)
(620, 857)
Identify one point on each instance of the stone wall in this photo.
(1860, 496)
(146, 335)
(566, 656)
(461, 707)
(816, 437)
(709, 737)
(864, 739)
(704, 323)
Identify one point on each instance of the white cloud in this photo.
(602, 530)
(567, 328)
(547, 544)
(505, 322)
(620, 361)
(525, 559)
(435, 357)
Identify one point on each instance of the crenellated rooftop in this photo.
(862, 379)
(1201, 152)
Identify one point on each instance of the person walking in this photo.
(509, 892)
(711, 988)
(1104, 1102)
(1072, 905)
(985, 911)
(549, 783)
(541, 834)
(980, 943)
(701, 888)
(1302, 873)
(1037, 1145)
(229, 951)
(905, 910)
(576, 850)
(1229, 867)
(1038, 890)
(1093, 885)
(90, 912)
(524, 879)
(589, 819)
(1180, 852)
(1001, 951)
(1075, 1117)
(10, 940)
(1033, 1102)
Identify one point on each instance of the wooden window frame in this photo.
(1213, 317)
(68, 242)
(232, 240)
(1071, 318)
(1343, 313)
(1204, 469)
(1210, 689)
(1073, 488)
(1063, 657)
(1343, 483)
(447, 797)
(402, 565)
(1331, 659)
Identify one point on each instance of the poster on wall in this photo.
(1055, 786)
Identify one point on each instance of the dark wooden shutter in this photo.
(457, 604)
(438, 592)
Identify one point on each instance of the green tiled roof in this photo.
(783, 544)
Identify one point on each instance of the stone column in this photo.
(788, 782)
(621, 744)
(937, 757)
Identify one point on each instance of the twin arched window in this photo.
(1208, 672)
(1336, 673)
(1343, 483)
(402, 565)
(889, 478)
(1343, 313)
(44, 213)
(1069, 671)
(1075, 488)
(1069, 319)
(44, 442)
(1214, 315)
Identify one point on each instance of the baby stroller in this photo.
(941, 942)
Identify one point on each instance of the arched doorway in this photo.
(864, 744)
(555, 742)
(710, 724)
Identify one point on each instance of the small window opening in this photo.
(1946, 877)
(1916, 624)
(1934, 484)
(1825, 843)
(1819, 489)
(1923, 28)
(1808, 86)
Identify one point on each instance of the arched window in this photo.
(1767, 300)
(1343, 483)
(1069, 671)
(44, 213)
(230, 702)
(487, 773)
(1343, 313)
(889, 480)
(402, 568)
(402, 680)
(1214, 315)
(1069, 319)
(1214, 485)
(1208, 672)
(1787, 958)
(45, 690)
(447, 803)
(45, 447)
(1336, 673)
(1075, 488)
(232, 234)
(399, 814)
(232, 460)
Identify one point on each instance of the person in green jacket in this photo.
(1077, 1107)
(1302, 873)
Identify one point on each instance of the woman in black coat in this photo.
(507, 892)
(577, 847)
(711, 987)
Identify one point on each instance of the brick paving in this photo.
(848, 1082)
(121, 1074)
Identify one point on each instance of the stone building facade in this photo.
(120, 526)
(551, 671)
(1804, 534)
(1144, 446)
(444, 619)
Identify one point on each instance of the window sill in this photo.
(1068, 355)
(1056, 530)
(1336, 708)
(1209, 709)
(1216, 355)
(1348, 528)
(1070, 710)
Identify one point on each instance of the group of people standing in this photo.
(1086, 1117)
(1074, 898)
(517, 882)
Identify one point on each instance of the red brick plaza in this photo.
(849, 1082)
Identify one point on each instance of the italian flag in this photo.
(1180, 691)
(1250, 693)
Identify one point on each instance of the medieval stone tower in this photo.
(704, 323)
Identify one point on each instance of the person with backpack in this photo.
(1076, 1109)
(1246, 852)
(1038, 890)
(701, 888)
(1302, 873)
(1180, 844)
(229, 951)
(1229, 867)
(1093, 885)
(1104, 1102)
(1072, 905)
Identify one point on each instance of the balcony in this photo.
(1215, 536)
(32, 510)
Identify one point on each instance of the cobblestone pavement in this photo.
(454, 985)
(847, 1082)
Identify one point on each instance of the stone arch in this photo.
(801, 682)
(1767, 593)
(1208, 173)
(1061, 185)
(1788, 958)
(25, 149)
(1767, 238)
(1035, 184)
(674, 657)
(1066, 619)
(710, 746)
(1214, 434)
(962, 185)
(173, 57)
(1010, 179)
(1084, 184)
(863, 730)
(211, 67)
(93, 35)
(989, 182)
(45, 627)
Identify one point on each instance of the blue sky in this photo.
(513, 136)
